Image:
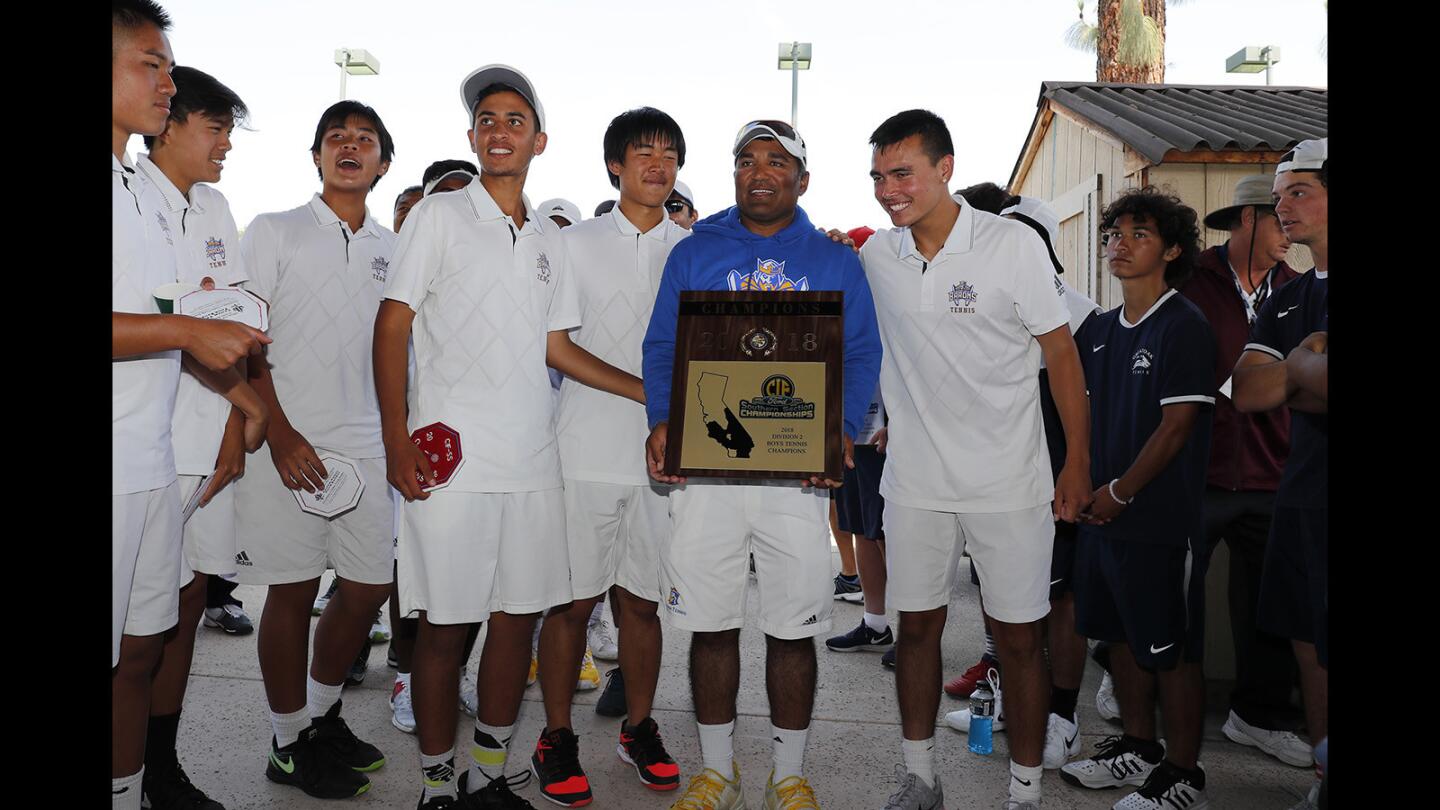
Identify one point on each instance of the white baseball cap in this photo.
(683, 191)
(784, 134)
(483, 77)
(560, 207)
(1307, 156)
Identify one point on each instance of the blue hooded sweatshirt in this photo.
(722, 254)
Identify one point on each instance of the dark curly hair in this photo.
(1176, 222)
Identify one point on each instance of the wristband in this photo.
(1111, 486)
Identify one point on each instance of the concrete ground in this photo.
(853, 749)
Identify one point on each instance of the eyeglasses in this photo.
(675, 206)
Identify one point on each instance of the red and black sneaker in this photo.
(556, 763)
(964, 684)
(640, 746)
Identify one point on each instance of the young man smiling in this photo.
(968, 303)
(321, 266)
(764, 243)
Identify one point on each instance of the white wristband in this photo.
(1118, 499)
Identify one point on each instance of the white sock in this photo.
(319, 697)
(717, 747)
(287, 727)
(876, 622)
(1025, 782)
(488, 754)
(788, 751)
(919, 758)
(438, 774)
(125, 791)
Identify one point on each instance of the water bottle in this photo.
(982, 712)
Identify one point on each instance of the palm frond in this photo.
(1082, 36)
(1139, 36)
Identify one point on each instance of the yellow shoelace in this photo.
(795, 793)
(703, 792)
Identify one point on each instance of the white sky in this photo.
(977, 63)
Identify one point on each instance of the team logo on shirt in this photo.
(379, 268)
(164, 226)
(963, 298)
(777, 400)
(768, 275)
(1142, 361)
(673, 603)
(215, 251)
(542, 268)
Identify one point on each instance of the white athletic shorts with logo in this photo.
(1011, 551)
(465, 555)
(210, 532)
(615, 534)
(716, 526)
(277, 543)
(147, 566)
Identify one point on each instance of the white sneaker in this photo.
(324, 599)
(1062, 741)
(1282, 745)
(589, 677)
(1112, 765)
(1165, 789)
(960, 720)
(1105, 702)
(1311, 800)
(600, 633)
(402, 709)
(469, 695)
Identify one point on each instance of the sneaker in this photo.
(313, 767)
(534, 668)
(600, 634)
(708, 790)
(793, 793)
(962, 685)
(612, 700)
(469, 692)
(230, 618)
(640, 746)
(456, 802)
(888, 659)
(960, 720)
(1282, 745)
(1114, 764)
(848, 588)
(391, 659)
(862, 638)
(499, 794)
(1062, 741)
(589, 676)
(1105, 702)
(361, 667)
(402, 707)
(1166, 789)
(1311, 800)
(556, 765)
(167, 787)
(914, 794)
(331, 732)
(324, 599)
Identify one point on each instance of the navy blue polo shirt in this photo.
(1132, 372)
(1288, 317)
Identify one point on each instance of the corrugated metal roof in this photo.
(1152, 119)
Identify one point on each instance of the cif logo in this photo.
(777, 385)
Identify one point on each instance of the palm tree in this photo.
(1128, 40)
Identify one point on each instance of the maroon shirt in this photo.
(1247, 450)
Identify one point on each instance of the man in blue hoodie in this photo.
(764, 242)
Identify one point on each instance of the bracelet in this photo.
(1118, 499)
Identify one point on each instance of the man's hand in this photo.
(218, 345)
(1103, 508)
(255, 414)
(402, 460)
(837, 235)
(230, 463)
(881, 440)
(655, 455)
(295, 460)
(1072, 492)
(826, 483)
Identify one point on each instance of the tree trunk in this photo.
(1107, 68)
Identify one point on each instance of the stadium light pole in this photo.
(355, 62)
(794, 57)
(1253, 59)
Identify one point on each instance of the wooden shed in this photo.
(1092, 140)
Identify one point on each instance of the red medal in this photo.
(441, 445)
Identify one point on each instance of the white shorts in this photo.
(147, 566)
(465, 555)
(615, 533)
(1011, 551)
(706, 566)
(210, 532)
(277, 543)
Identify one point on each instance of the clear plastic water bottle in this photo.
(982, 714)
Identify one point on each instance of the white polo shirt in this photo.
(142, 257)
(324, 283)
(961, 365)
(616, 271)
(206, 246)
(486, 296)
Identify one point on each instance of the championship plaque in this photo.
(757, 389)
(341, 492)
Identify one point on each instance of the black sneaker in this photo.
(390, 658)
(1167, 787)
(888, 659)
(612, 700)
(331, 732)
(640, 746)
(556, 764)
(313, 767)
(167, 787)
(848, 588)
(497, 795)
(862, 638)
(361, 667)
